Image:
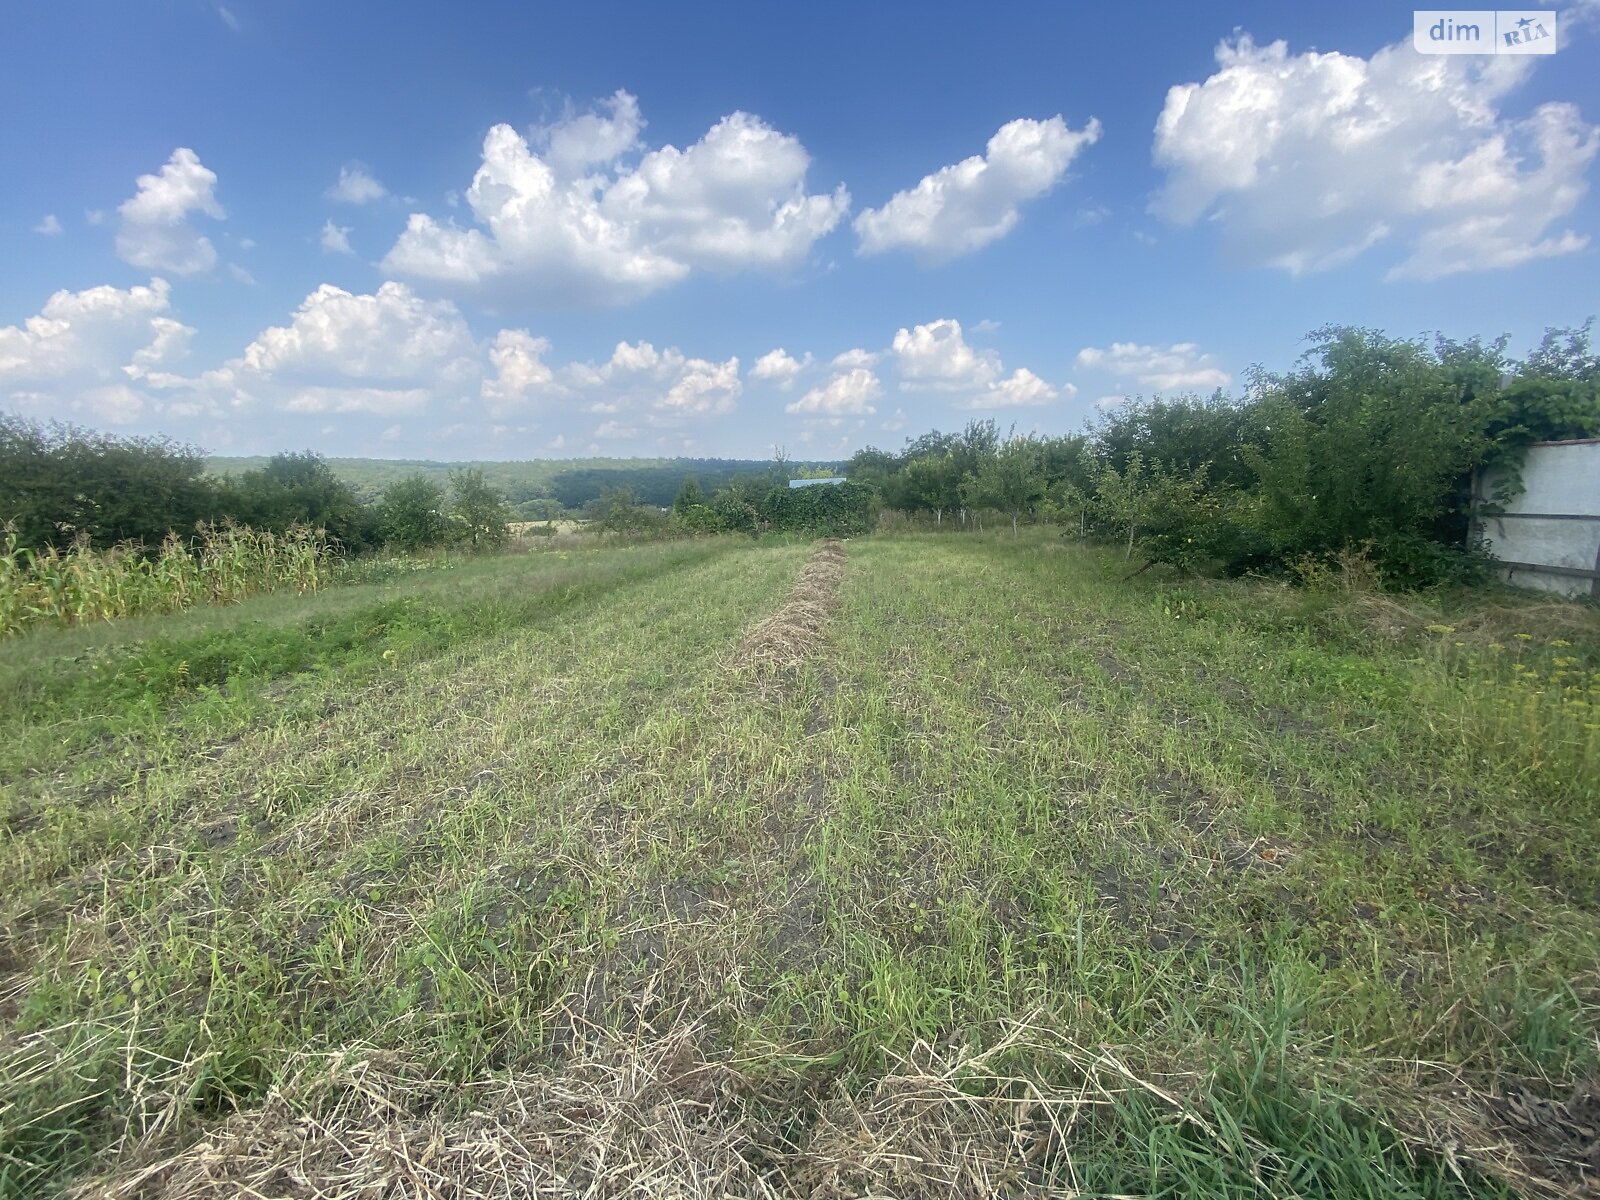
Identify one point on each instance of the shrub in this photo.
(300, 489)
(824, 510)
(735, 513)
(689, 495)
(619, 511)
(411, 514)
(59, 483)
(478, 512)
(1367, 442)
(1413, 560)
(696, 519)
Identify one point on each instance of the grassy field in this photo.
(920, 866)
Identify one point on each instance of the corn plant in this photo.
(222, 565)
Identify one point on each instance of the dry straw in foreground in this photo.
(650, 1118)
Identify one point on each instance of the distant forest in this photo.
(542, 487)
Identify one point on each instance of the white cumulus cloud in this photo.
(582, 224)
(50, 226)
(155, 233)
(704, 388)
(1306, 161)
(114, 356)
(104, 353)
(1021, 389)
(385, 352)
(582, 140)
(1178, 367)
(779, 367)
(520, 373)
(662, 385)
(967, 205)
(937, 357)
(335, 238)
(356, 185)
(856, 357)
(389, 334)
(850, 394)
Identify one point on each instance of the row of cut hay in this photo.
(787, 638)
(221, 565)
(653, 1118)
(661, 1118)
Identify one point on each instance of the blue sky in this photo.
(935, 213)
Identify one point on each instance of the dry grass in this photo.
(785, 639)
(642, 1119)
(1477, 617)
(657, 1115)
(650, 1117)
(1537, 1145)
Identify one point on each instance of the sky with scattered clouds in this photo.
(514, 231)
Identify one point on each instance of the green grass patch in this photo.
(1027, 872)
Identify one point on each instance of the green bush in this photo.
(734, 513)
(619, 511)
(479, 514)
(411, 515)
(301, 490)
(689, 495)
(697, 520)
(1410, 560)
(823, 510)
(60, 483)
(1370, 444)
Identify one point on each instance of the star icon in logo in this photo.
(1524, 23)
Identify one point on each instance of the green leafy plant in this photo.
(411, 514)
(479, 513)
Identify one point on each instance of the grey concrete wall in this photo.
(1555, 522)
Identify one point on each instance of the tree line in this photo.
(748, 503)
(539, 489)
(1370, 444)
(61, 484)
